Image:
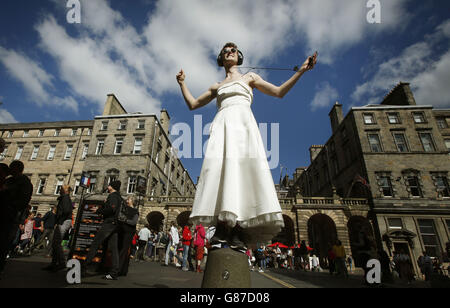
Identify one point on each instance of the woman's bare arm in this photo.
(280, 91)
(192, 102)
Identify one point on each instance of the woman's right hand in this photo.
(180, 77)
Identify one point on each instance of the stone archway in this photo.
(155, 221)
(287, 234)
(355, 226)
(183, 218)
(322, 235)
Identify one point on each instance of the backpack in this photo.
(164, 239)
(122, 215)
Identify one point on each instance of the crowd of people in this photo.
(22, 232)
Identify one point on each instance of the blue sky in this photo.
(51, 70)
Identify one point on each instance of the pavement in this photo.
(26, 272)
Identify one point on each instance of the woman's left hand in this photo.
(309, 63)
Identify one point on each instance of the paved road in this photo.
(26, 272)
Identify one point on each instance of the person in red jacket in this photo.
(187, 238)
(199, 243)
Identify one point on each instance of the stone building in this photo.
(116, 145)
(395, 154)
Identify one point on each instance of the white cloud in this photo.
(325, 96)
(86, 66)
(33, 78)
(110, 55)
(429, 77)
(6, 117)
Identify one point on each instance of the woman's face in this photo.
(130, 202)
(230, 55)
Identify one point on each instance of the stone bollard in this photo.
(226, 268)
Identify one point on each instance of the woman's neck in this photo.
(232, 72)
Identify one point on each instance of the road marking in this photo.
(285, 284)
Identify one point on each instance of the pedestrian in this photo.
(260, 258)
(199, 243)
(149, 249)
(38, 227)
(16, 194)
(350, 263)
(134, 244)
(427, 266)
(62, 225)
(405, 267)
(27, 234)
(331, 261)
(171, 250)
(314, 263)
(187, 238)
(49, 221)
(144, 235)
(303, 250)
(339, 252)
(290, 256)
(108, 230)
(249, 210)
(127, 229)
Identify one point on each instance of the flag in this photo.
(85, 181)
(361, 180)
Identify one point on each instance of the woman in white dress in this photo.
(235, 190)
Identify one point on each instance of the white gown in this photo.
(235, 183)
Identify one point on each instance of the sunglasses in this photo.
(227, 50)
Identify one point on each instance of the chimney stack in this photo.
(164, 119)
(336, 116)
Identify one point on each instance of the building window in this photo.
(100, 145)
(93, 184)
(3, 155)
(400, 142)
(419, 117)
(59, 184)
(374, 141)
(395, 223)
(441, 123)
(137, 146)
(51, 152)
(441, 183)
(69, 150)
(122, 125)
(35, 152)
(89, 132)
(85, 151)
(76, 188)
(141, 124)
(57, 132)
(19, 153)
(429, 238)
(118, 146)
(132, 180)
(26, 133)
(414, 186)
(41, 186)
(153, 190)
(385, 184)
(393, 118)
(447, 144)
(104, 125)
(427, 142)
(41, 133)
(369, 118)
(10, 134)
